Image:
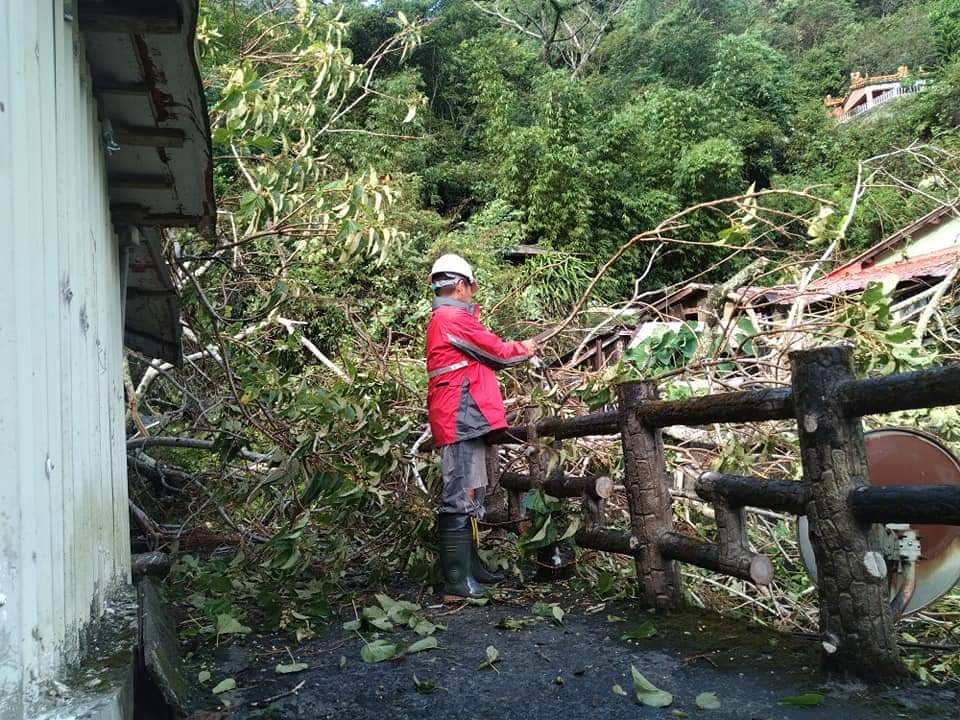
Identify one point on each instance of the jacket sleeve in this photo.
(475, 341)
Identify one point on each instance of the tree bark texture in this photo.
(730, 407)
(602, 423)
(740, 490)
(608, 540)
(856, 622)
(648, 498)
(914, 504)
(740, 563)
(560, 486)
(928, 388)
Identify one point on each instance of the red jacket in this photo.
(463, 396)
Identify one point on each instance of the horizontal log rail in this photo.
(826, 402)
(745, 565)
(929, 388)
(740, 490)
(601, 423)
(561, 486)
(732, 407)
(914, 504)
(608, 540)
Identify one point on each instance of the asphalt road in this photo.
(549, 671)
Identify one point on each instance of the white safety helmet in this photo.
(450, 265)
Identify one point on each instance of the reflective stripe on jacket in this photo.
(463, 395)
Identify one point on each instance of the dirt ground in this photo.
(547, 671)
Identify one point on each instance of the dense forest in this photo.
(355, 143)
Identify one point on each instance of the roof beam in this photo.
(135, 181)
(133, 214)
(148, 136)
(129, 16)
(104, 86)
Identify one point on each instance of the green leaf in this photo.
(558, 681)
(516, 623)
(352, 625)
(386, 602)
(291, 668)
(225, 686)
(480, 602)
(571, 529)
(425, 627)
(373, 613)
(424, 687)
(264, 142)
(617, 690)
(648, 693)
(342, 665)
(221, 136)
(381, 624)
(493, 656)
(427, 643)
(805, 700)
(378, 651)
(615, 619)
(679, 714)
(402, 611)
(203, 676)
(229, 625)
(551, 611)
(644, 631)
(708, 701)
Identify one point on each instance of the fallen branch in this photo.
(934, 303)
(313, 349)
(192, 444)
(273, 698)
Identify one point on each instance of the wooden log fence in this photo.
(844, 513)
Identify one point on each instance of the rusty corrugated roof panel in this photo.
(931, 265)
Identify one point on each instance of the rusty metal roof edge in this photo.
(208, 224)
(906, 231)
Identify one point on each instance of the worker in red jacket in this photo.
(463, 405)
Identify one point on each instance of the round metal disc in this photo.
(898, 456)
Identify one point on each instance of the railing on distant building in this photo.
(862, 88)
(894, 92)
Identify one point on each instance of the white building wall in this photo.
(930, 240)
(64, 537)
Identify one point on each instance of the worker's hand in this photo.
(531, 346)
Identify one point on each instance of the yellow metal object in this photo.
(476, 531)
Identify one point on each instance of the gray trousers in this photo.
(464, 467)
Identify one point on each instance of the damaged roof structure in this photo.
(916, 258)
(156, 132)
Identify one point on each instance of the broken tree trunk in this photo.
(648, 498)
(856, 622)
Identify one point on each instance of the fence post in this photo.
(648, 498)
(856, 623)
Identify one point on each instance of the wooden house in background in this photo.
(104, 139)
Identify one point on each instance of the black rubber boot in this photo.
(456, 550)
(480, 571)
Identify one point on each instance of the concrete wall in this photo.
(64, 544)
